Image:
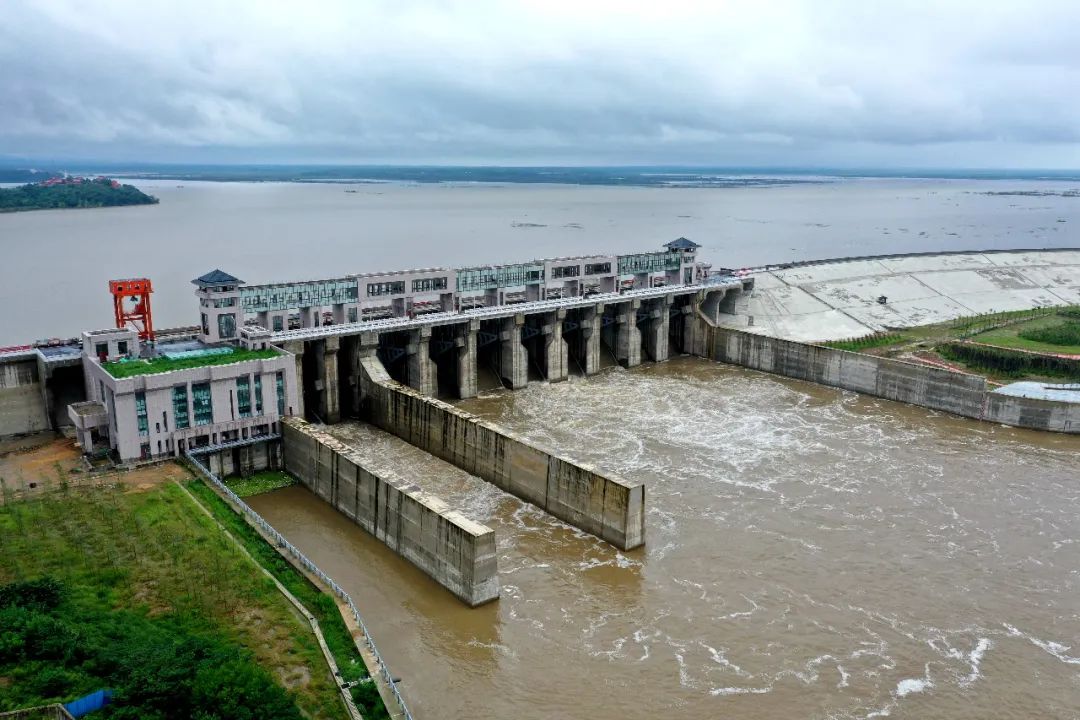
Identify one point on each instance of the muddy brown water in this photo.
(810, 554)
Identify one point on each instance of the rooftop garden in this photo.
(130, 368)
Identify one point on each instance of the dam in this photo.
(430, 496)
(398, 349)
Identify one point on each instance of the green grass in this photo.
(1013, 336)
(869, 341)
(161, 365)
(260, 482)
(321, 605)
(152, 587)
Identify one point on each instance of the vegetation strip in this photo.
(259, 483)
(134, 592)
(345, 695)
(323, 606)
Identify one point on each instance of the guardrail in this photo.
(447, 318)
(314, 570)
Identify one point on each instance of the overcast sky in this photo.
(986, 83)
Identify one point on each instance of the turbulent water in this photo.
(57, 263)
(810, 553)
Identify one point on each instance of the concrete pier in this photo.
(655, 332)
(466, 366)
(590, 330)
(453, 550)
(513, 356)
(627, 335)
(609, 507)
(557, 358)
(297, 351)
(329, 391)
(420, 368)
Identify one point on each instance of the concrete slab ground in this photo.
(839, 300)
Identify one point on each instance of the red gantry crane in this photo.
(137, 291)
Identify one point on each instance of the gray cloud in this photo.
(782, 82)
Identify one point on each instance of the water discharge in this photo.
(810, 553)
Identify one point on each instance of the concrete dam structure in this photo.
(839, 299)
(385, 348)
(455, 551)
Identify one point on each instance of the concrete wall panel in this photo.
(606, 506)
(22, 402)
(936, 388)
(456, 552)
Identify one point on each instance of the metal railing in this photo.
(445, 318)
(314, 569)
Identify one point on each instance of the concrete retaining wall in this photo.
(455, 551)
(22, 402)
(608, 507)
(935, 388)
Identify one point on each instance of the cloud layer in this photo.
(783, 82)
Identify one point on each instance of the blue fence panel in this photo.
(88, 703)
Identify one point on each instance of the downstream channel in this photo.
(809, 553)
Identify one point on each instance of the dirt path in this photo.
(42, 462)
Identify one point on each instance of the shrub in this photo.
(1066, 333)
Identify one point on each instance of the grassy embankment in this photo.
(1014, 336)
(157, 603)
(151, 589)
(129, 368)
(322, 606)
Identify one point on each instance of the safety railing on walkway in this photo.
(314, 569)
(498, 311)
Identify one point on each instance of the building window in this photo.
(386, 288)
(279, 323)
(598, 269)
(224, 302)
(205, 325)
(352, 315)
(429, 284)
(121, 347)
(140, 413)
(202, 404)
(243, 396)
(226, 325)
(565, 271)
(101, 350)
(179, 407)
(258, 395)
(281, 394)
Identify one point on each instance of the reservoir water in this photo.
(57, 263)
(810, 553)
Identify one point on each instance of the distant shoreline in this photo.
(72, 193)
(668, 176)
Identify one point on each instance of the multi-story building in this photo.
(147, 402)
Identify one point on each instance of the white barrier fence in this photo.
(314, 570)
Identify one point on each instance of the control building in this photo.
(146, 402)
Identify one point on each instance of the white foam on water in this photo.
(974, 658)
(740, 691)
(1058, 650)
(912, 686)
